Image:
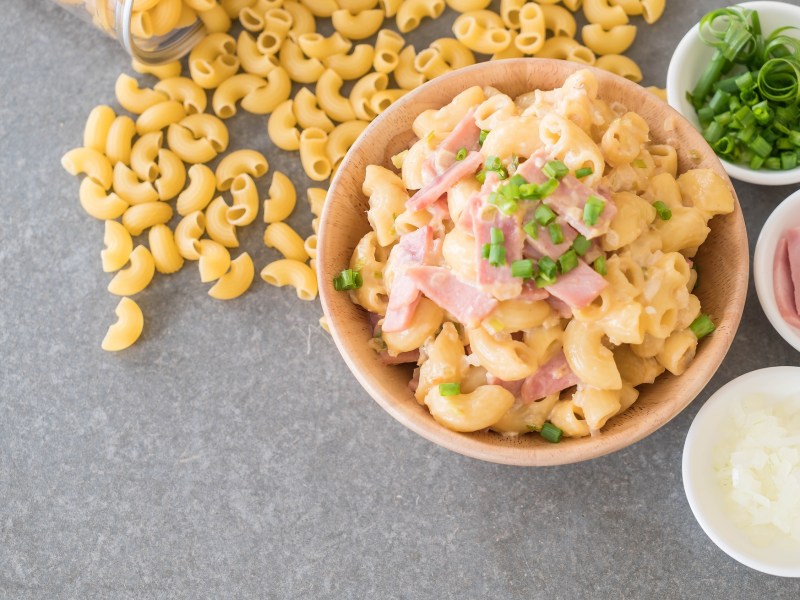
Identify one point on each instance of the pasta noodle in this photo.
(294, 273)
(137, 276)
(127, 329)
(236, 281)
(282, 199)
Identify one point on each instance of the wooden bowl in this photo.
(722, 260)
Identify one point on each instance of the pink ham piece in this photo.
(579, 287)
(793, 248)
(562, 308)
(552, 377)
(413, 249)
(434, 190)
(466, 303)
(498, 280)
(570, 197)
(512, 386)
(531, 293)
(465, 135)
(542, 244)
(785, 290)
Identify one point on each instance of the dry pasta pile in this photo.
(136, 166)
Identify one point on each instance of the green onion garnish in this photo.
(548, 267)
(544, 214)
(584, 172)
(600, 265)
(536, 191)
(581, 245)
(522, 268)
(551, 433)
(485, 250)
(702, 326)
(482, 136)
(347, 280)
(496, 235)
(497, 255)
(449, 389)
(593, 209)
(556, 234)
(531, 229)
(461, 154)
(567, 261)
(662, 210)
(555, 169)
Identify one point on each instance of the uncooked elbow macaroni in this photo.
(546, 282)
(154, 145)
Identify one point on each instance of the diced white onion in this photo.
(758, 464)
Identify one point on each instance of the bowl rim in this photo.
(465, 444)
(705, 424)
(763, 261)
(676, 97)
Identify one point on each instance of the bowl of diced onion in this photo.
(741, 469)
(746, 103)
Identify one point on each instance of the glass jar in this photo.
(151, 31)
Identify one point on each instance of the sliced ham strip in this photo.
(531, 293)
(552, 377)
(782, 284)
(434, 190)
(579, 287)
(413, 249)
(512, 386)
(562, 308)
(465, 135)
(793, 248)
(542, 244)
(466, 303)
(498, 280)
(411, 356)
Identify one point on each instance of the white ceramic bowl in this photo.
(688, 63)
(787, 215)
(706, 496)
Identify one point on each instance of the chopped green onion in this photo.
(593, 209)
(713, 132)
(724, 145)
(760, 146)
(762, 112)
(461, 154)
(719, 101)
(544, 214)
(551, 433)
(727, 85)
(449, 389)
(543, 280)
(600, 265)
(497, 255)
(493, 163)
(535, 191)
(724, 118)
(747, 134)
(788, 160)
(556, 235)
(745, 81)
(548, 267)
(482, 136)
(773, 163)
(662, 210)
(531, 229)
(702, 326)
(568, 261)
(706, 115)
(555, 169)
(347, 280)
(584, 172)
(744, 116)
(581, 245)
(496, 235)
(794, 138)
(756, 162)
(485, 251)
(522, 268)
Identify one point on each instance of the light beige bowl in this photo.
(722, 260)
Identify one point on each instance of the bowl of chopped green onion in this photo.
(736, 77)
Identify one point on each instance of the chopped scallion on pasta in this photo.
(581, 245)
(593, 209)
(555, 169)
(551, 433)
(702, 326)
(449, 389)
(522, 268)
(584, 172)
(662, 210)
(347, 280)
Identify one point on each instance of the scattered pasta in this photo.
(154, 145)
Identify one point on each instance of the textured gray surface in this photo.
(230, 453)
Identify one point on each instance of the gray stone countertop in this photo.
(230, 453)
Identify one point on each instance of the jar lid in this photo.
(158, 49)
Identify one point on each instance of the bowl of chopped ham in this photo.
(532, 262)
(777, 269)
